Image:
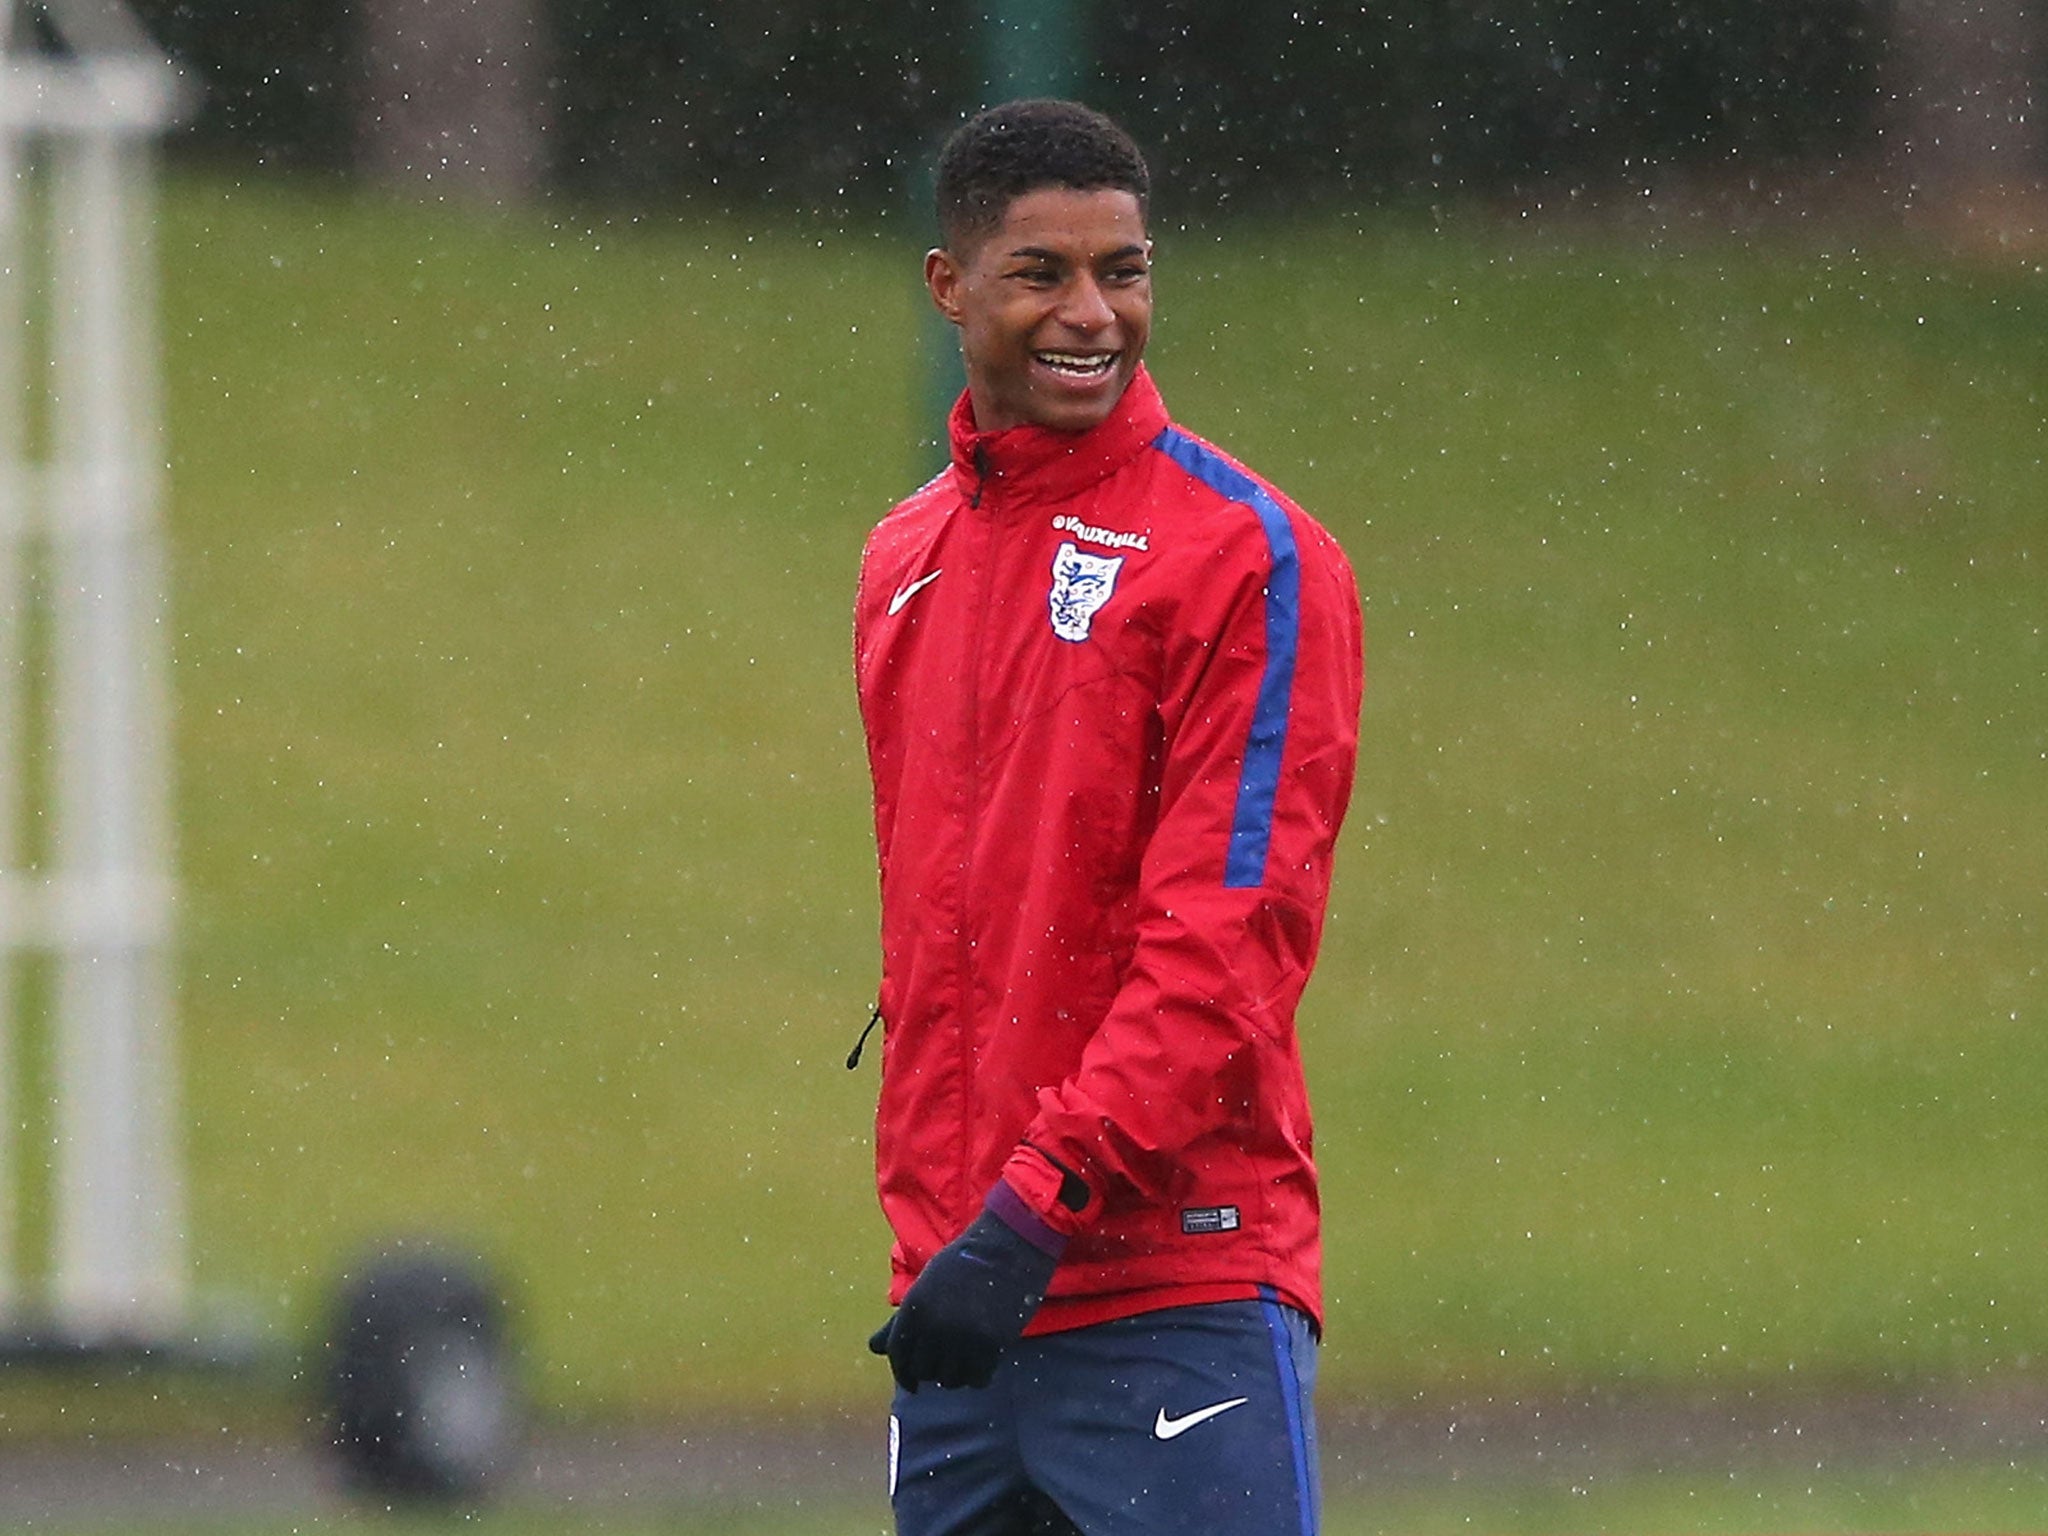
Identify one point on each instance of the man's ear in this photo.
(943, 276)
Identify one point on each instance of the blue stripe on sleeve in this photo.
(1251, 829)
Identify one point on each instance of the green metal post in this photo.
(1028, 48)
(1032, 48)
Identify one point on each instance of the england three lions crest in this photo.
(1081, 584)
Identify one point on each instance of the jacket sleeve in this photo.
(1259, 715)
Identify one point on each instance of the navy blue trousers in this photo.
(1189, 1420)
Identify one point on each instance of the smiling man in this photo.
(1054, 306)
(1110, 681)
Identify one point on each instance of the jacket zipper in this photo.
(853, 1056)
(978, 616)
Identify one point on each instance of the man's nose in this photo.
(1085, 307)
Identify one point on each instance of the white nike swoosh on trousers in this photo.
(1164, 1428)
(905, 594)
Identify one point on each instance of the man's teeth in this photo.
(1079, 362)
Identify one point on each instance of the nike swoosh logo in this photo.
(905, 594)
(1164, 1428)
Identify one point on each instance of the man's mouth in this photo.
(1079, 365)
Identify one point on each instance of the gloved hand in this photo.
(973, 1299)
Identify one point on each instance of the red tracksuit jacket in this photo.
(1110, 683)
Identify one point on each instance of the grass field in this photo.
(1982, 1499)
(1680, 1017)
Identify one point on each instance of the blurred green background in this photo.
(1672, 374)
(1862, 1500)
(1678, 1018)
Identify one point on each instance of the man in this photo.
(1110, 681)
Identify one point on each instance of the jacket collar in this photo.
(1021, 465)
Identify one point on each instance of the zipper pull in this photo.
(980, 474)
(853, 1056)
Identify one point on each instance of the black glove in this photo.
(972, 1300)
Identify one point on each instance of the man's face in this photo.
(1054, 308)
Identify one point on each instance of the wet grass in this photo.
(1679, 1018)
(1982, 1499)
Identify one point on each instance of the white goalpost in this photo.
(83, 99)
(418, 1398)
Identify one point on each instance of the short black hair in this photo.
(998, 155)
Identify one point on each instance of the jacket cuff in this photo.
(1048, 1192)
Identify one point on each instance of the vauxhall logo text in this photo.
(1090, 534)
